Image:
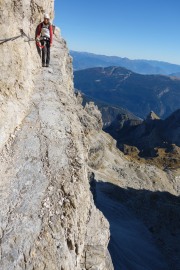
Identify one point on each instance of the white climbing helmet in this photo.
(46, 16)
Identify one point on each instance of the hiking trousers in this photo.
(45, 52)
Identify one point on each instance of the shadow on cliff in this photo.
(144, 226)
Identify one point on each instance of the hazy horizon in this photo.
(124, 57)
(123, 28)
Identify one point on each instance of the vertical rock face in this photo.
(18, 59)
(48, 219)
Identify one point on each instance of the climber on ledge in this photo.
(44, 36)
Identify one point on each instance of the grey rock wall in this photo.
(48, 219)
(18, 59)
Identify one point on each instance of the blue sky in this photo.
(137, 29)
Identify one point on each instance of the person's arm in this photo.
(38, 33)
(51, 34)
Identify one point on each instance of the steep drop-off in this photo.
(142, 204)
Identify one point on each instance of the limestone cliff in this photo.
(18, 59)
(48, 218)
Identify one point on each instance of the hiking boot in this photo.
(47, 65)
(43, 65)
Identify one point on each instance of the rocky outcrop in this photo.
(152, 116)
(109, 112)
(48, 218)
(153, 138)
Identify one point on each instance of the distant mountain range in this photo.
(84, 60)
(134, 92)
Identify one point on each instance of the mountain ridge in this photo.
(84, 60)
(135, 92)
